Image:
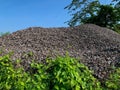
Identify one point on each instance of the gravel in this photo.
(96, 47)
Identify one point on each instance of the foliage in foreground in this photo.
(63, 73)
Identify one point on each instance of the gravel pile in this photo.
(97, 47)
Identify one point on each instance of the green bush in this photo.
(113, 83)
(116, 28)
(67, 73)
(63, 73)
(11, 78)
(4, 34)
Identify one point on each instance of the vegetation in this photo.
(113, 83)
(92, 11)
(63, 73)
(106, 16)
(117, 28)
(4, 34)
(81, 9)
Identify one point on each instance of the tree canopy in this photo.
(106, 16)
(92, 11)
(81, 9)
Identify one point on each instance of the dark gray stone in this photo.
(97, 47)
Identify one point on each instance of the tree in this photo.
(117, 3)
(106, 16)
(81, 9)
(89, 11)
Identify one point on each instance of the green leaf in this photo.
(77, 87)
(56, 87)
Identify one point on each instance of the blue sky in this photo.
(20, 14)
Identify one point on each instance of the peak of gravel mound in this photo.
(97, 47)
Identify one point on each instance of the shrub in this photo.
(117, 28)
(4, 34)
(65, 73)
(11, 78)
(113, 83)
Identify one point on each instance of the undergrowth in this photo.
(117, 28)
(63, 73)
(4, 34)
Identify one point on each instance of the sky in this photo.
(21, 14)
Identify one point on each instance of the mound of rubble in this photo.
(96, 47)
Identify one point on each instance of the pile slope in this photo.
(97, 47)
